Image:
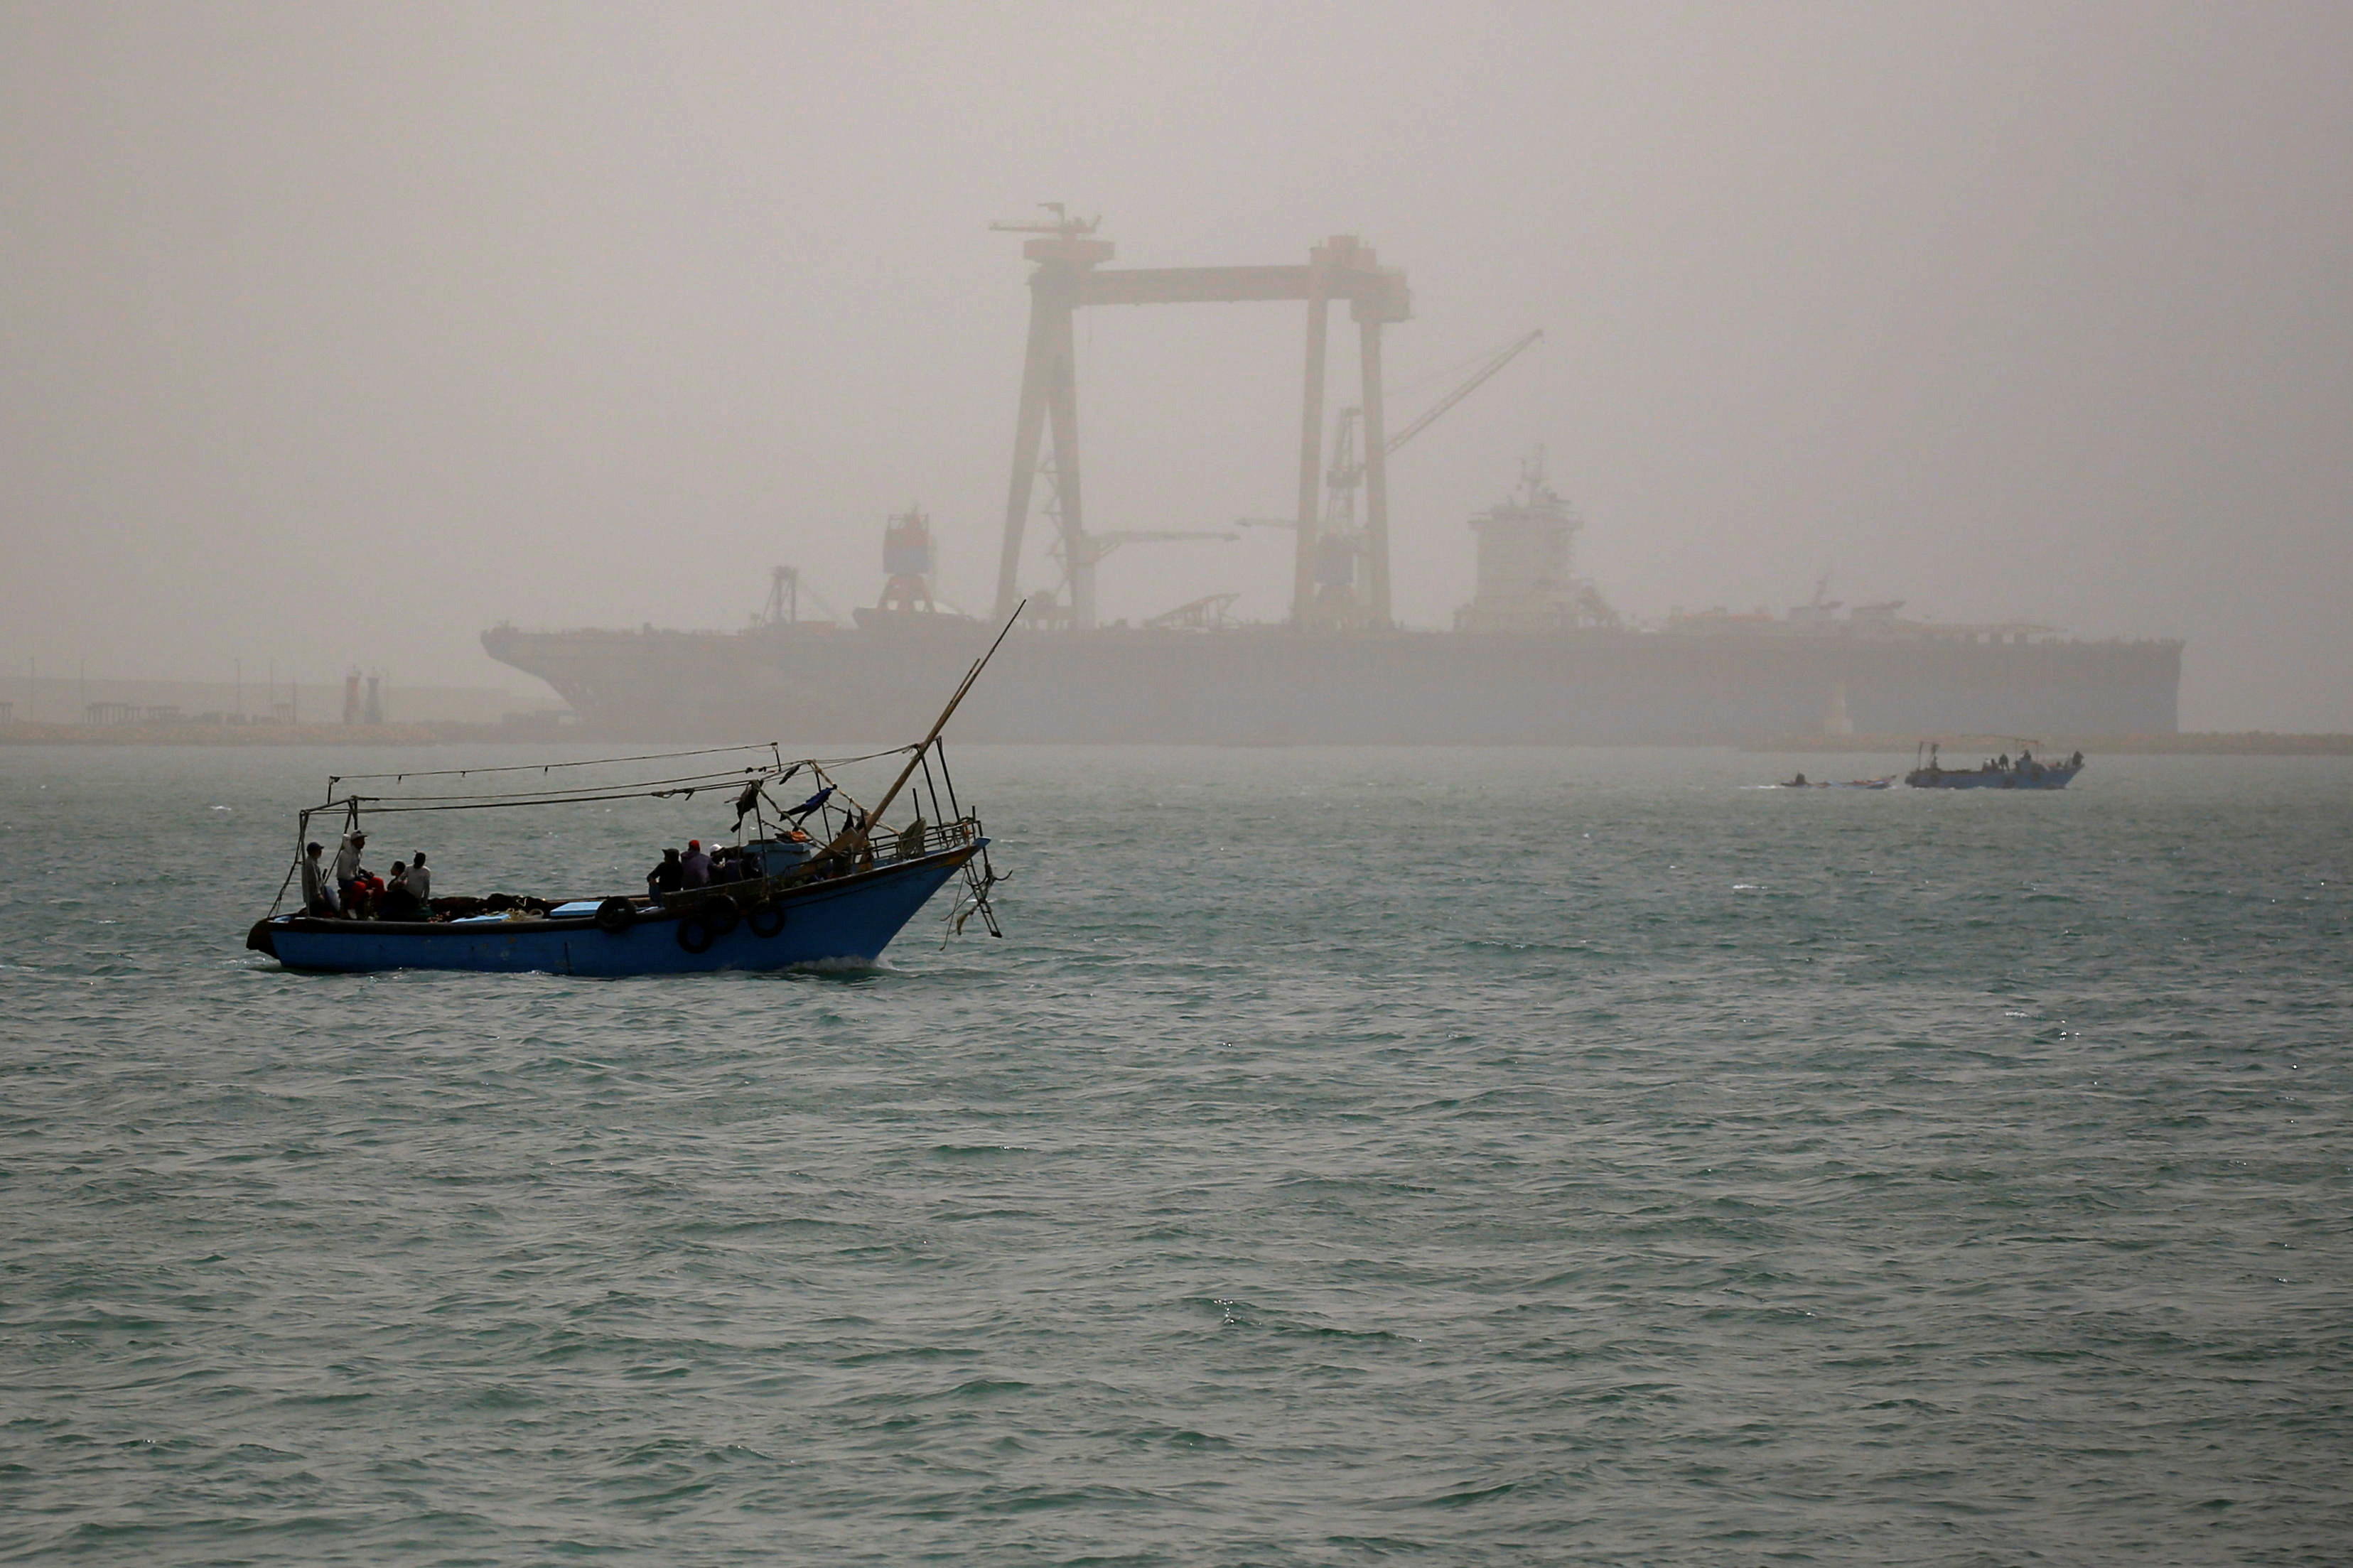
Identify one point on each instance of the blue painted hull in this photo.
(1996, 778)
(847, 919)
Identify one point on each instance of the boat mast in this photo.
(854, 839)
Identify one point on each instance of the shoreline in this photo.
(271, 733)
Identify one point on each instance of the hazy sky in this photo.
(334, 333)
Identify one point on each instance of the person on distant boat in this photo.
(1798, 783)
(696, 865)
(2004, 764)
(348, 869)
(318, 888)
(2077, 761)
(667, 877)
(420, 880)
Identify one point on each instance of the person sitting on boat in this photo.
(420, 882)
(397, 902)
(666, 878)
(696, 866)
(318, 888)
(348, 869)
(1798, 783)
(2077, 761)
(359, 898)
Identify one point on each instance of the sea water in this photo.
(1347, 1156)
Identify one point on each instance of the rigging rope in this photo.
(701, 781)
(687, 785)
(550, 767)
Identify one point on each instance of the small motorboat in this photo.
(2027, 772)
(790, 896)
(1801, 781)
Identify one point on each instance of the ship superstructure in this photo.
(1527, 566)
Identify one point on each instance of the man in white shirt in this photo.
(347, 864)
(420, 880)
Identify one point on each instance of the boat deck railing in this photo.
(934, 837)
(885, 846)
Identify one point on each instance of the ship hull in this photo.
(1271, 686)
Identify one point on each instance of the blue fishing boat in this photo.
(2027, 772)
(819, 882)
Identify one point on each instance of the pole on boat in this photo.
(854, 839)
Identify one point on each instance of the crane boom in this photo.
(1345, 477)
(1479, 378)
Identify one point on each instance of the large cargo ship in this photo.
(1539, 655)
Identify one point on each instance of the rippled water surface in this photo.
(1543, 1156)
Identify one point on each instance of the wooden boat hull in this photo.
(846, 920)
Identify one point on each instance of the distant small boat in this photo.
(790, 897)
(2027, 772)
(1801, 781)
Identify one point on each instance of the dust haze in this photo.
(335, 334)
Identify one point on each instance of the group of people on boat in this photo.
(2025, 763)
(699, 867)
(343, 889)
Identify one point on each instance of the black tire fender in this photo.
(723, 915)
(765, 918)
(695, 932)
(615, 916)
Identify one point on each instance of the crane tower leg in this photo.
(1063, 409)
(1027, 427)
(1310, 455)
(1376, 475)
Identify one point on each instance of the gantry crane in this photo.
(1069, 274)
